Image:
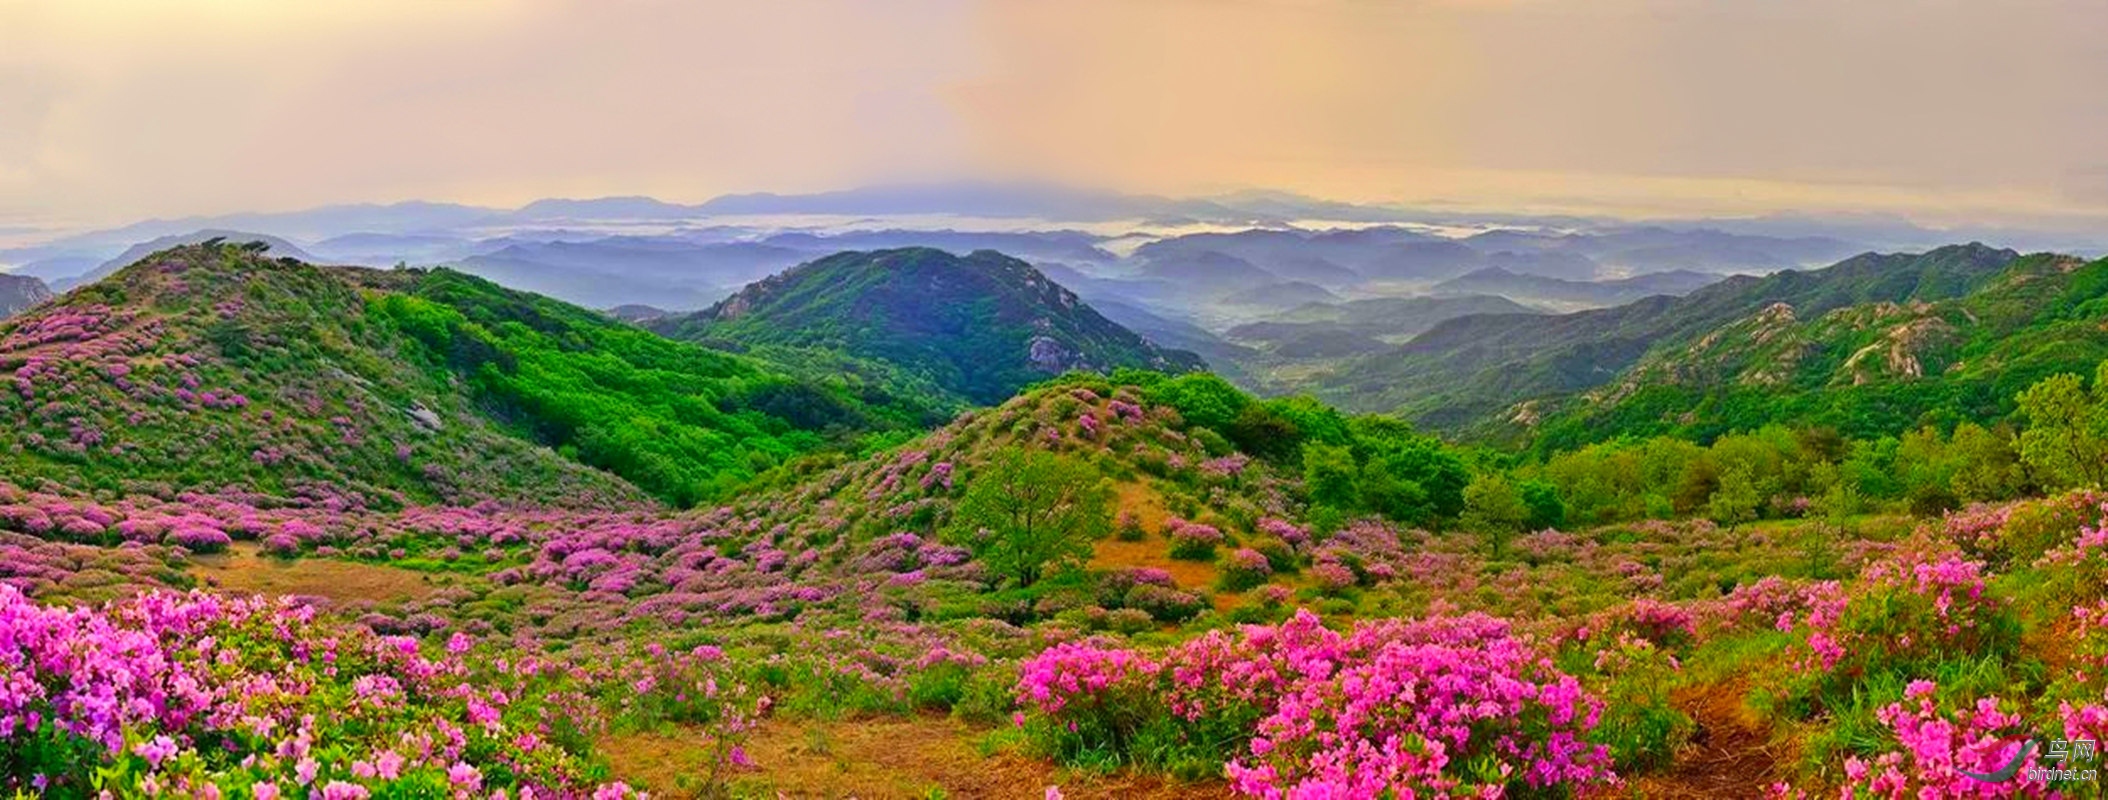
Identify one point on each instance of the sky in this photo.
(1946, 111)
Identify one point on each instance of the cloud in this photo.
(271, 104)
(1938, 106)
(1945, 109)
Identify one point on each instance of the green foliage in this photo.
(1546, 509)
(979, 327)
(1331, 477)
(1495, 508)
(1202, 399)
(1735, 501)
(684, 423)
(2066, 441)
(1029, 512)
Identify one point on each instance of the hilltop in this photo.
(980, 326)
(214, 366)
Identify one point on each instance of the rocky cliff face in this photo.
(19, 292)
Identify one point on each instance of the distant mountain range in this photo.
(1957, 345)
(430, 228)
(1522, 287)
(1333, 330)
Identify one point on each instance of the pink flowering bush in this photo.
(1127, 527)
(1442, 706)
(2075, 570)
(1192, 541)
(1631, 657)
(1245, 568)
(2030, 529)
(203, 695)
(1092, 700)
(1164, 603)
(1332, 577)
(1934, 745)
(1904, 616)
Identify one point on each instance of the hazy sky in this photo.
(1943, 109)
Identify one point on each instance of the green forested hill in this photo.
(215, 366)
(1866, 369)
(981, 326)
(1499, 376)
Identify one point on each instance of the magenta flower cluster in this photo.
(200, 695)
(1445, 706)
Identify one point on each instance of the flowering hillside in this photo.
(212, 366)
(1108, 585)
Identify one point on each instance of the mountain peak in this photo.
(981, 325)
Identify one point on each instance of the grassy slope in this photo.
(213, 366)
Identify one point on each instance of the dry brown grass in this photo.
(245, 569)
(1153, 550)
(890, 757)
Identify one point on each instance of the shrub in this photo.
(1114, 586)
(171, 691)
(199, 538)
(1092, 700)
(2029, 530)
(1129, 620)
(1128, 528)
(1164, 604)
(1933, 746)
(1280, 556)
(1905, 614)
(1332, 577)
(1192, 541)
(1437, 706)
(1244, 569)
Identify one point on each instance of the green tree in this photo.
(1202, 399)
(1029, 513)
(1315, 420)
(1402, 499)
(1736, 500)
(2066, 441)
(1329, 475)
(1493, 507)
(1426, 462)
(1989, 467)
(1263, 432)
(1546, 509)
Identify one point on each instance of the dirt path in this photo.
(1730, 755)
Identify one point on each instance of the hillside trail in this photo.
(1730, 754)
